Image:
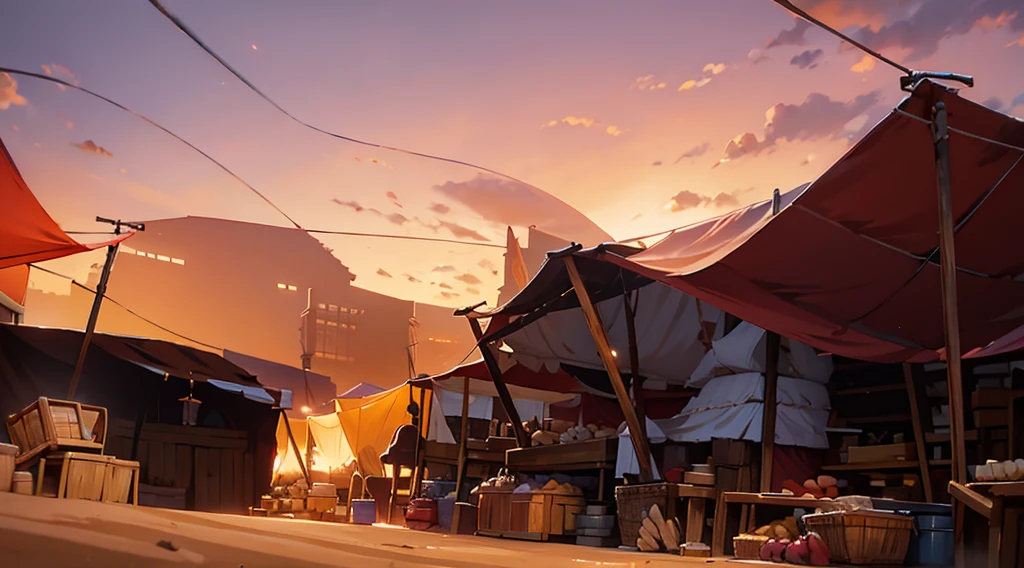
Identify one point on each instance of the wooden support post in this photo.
(916, 417)
(640, 445)
(951, 317)
(295, 447)
(491, 360)
(771, 389)
(462, 440)
(634, 366)
(94, 314)
(771, 407)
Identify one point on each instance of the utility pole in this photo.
(101, 289)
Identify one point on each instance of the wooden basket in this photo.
(863, 537)
(748, 546)
(632, 501)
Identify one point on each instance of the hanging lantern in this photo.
(190, 406)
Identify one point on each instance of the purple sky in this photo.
(620, 110)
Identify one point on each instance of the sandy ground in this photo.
(56, 533)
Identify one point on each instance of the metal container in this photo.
(601, 522)
(932, 544)
(364, 511)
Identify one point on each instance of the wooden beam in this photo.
(634, 366)
(462, 440)
(951, 319)
(490, 356)
(771, 407)
(916, 419)
(980, 504)
(593, 319)
(295, 448)
(94, 314)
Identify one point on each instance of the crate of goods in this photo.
(122, 478)
(632, 501)
(495, 510)
(863, 537)
(49, 425)
(7, 455)
(541, 514)
(882, 453)
(748, 546)
(83, 475)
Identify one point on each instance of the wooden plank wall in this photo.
(214, 466)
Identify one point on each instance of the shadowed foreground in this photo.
(57, 533)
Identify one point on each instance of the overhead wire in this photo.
(124, 307)
(234, 176)
(195, 38)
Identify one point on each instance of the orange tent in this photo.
(29, 234)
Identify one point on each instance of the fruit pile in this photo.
(808, 550)
(824, 486)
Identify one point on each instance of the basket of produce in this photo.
(634, 501)
(748, 546)
(863, 537)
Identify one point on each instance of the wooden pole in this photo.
(90, 327)
(295, 447)
(771, 388)
(462, 440)
(491, 360)
(771, 407)
(593, 319)
(951, 318)
(634, 366)
(917, 410)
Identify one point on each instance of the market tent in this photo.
(308, 389)
(369, 423)
(850, 264)
(29, 234)
(14, 288)
(361, 390)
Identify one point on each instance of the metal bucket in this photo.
(932, 544)
(364, 511)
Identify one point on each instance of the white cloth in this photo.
(626, 460)
(437, 428)
(743, 350)
(732, 407)
(667, 332)
(451, 404)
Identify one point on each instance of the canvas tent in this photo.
(27, 235)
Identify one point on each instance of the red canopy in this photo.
(850, 264)
(28, 233)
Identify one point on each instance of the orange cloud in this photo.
(9, 93)
(866, 63)
(648, 83)
(714, 68)
(583, 121)
(614, 130)
(686, 199)
(60, 72)
(468, 278)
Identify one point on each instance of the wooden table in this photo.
(597, 454)
(1002, 503)
(747, 503)
(697, 498)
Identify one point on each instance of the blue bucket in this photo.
(445, 510)
(364, 511)
(933, 545)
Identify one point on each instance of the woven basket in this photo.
(748, 546)
(863, 537)
(632, 501)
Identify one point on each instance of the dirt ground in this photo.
(54, 533)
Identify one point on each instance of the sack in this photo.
(421, 514)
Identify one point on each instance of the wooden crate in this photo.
(83, 476)
(49, 425)
(495, 511)
(122, 482)
(322, 504)
(539, 515)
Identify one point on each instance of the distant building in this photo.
(242, 287)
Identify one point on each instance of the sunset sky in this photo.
(642, 116)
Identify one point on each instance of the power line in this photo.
(125, 308)
(185, 29)
(154, 123)
(228, 171)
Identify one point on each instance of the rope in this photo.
(789, 6)
(125, 308)
(185, 29)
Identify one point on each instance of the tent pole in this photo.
(491, 360)
(295, 447)
(949, 298)
(771, 389)
(640, 445)
(460, 475)
(421, 429)
(634, 366)
(90, 327)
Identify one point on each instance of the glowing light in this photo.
(306, 409)
(254, 48)
(615, 353)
